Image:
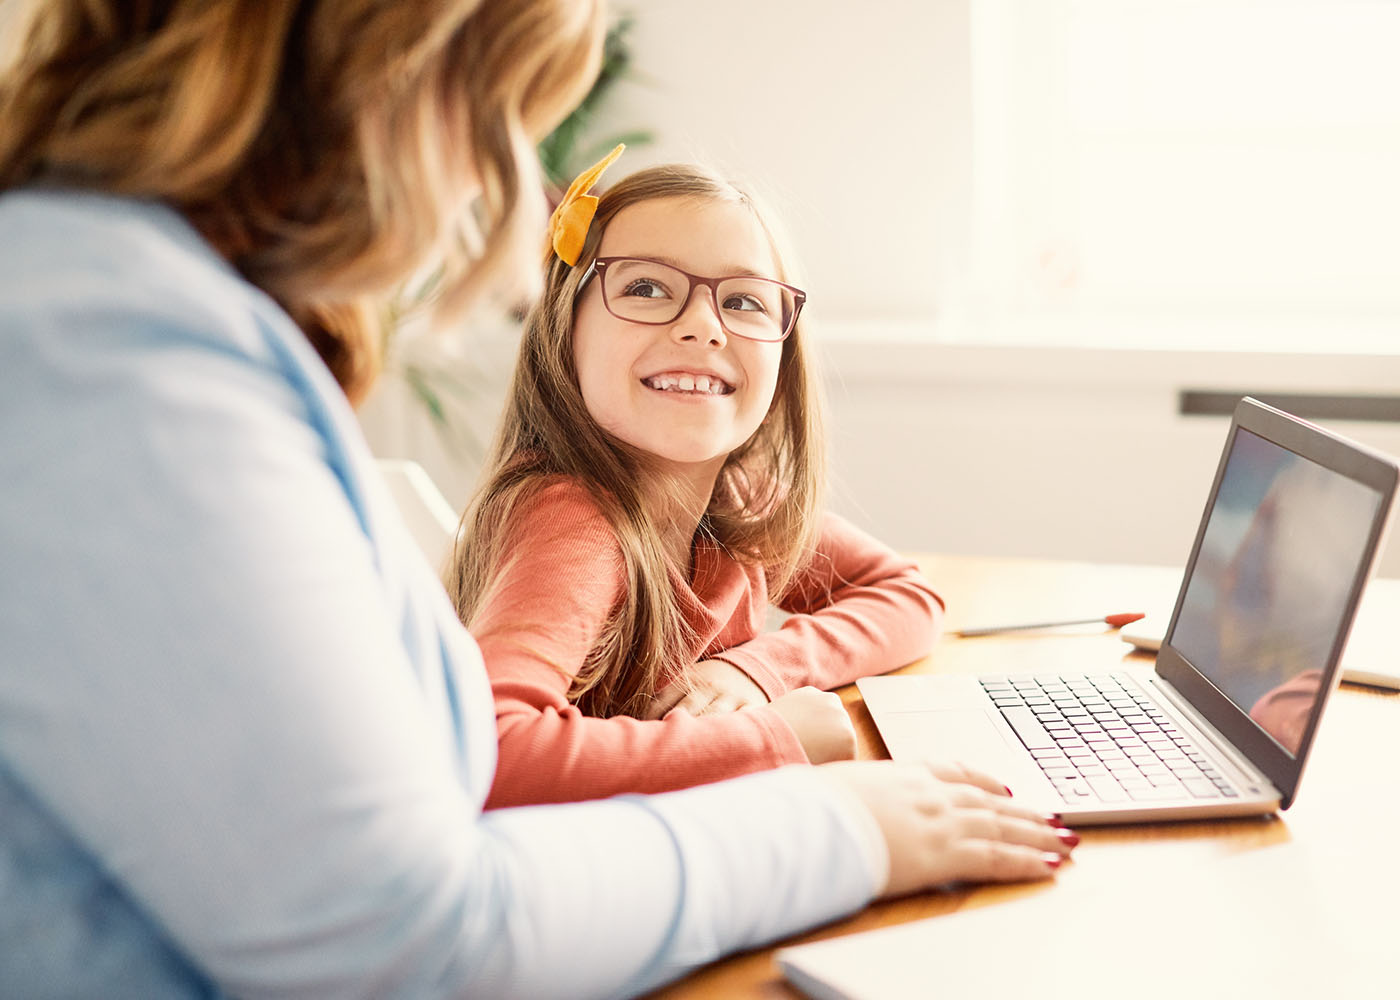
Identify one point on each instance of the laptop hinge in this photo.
(1188, 715)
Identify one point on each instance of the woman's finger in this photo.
(1033, 833)
(957, 771)
(987, 822)
(975, 797)
(1010, 807)
(997, 861)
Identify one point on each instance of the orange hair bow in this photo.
(568, 226)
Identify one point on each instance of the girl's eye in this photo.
(744, 303)
(645, 288)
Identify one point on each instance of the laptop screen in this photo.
(1272, 580)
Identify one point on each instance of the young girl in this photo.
(654, 486)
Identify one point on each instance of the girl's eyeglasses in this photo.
(639, 290)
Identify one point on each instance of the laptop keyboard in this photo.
(1100, 738)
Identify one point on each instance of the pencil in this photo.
(1116, 621)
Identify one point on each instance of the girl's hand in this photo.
(713, 686)
(821, 723)
(947, 823)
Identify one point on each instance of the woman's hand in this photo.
(945, 823)
(712, 686)
(821, 723)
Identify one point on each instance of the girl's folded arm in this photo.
(857, 608)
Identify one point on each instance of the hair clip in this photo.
(568, 225)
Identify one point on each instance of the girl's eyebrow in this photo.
(736, 270)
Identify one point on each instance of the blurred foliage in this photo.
(448, 388)
(560, 154)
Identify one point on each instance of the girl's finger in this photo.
(713, 706)
(697, 702)
(664, 702)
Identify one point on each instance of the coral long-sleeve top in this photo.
(857, 608)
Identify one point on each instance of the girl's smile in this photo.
(689, 383)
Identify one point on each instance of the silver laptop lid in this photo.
(1292, 528)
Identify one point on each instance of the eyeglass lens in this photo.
(645, 291)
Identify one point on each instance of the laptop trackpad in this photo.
(968, 736)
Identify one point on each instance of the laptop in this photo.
(1223, 723)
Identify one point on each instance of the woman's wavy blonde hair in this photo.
(329, 149)
(766, 501)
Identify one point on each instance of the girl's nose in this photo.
(699, 321)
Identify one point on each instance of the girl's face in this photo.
(647, 385)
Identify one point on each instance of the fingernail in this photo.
(1054, 819)
(1053, 860)
(1007, 790)
(1067, 837)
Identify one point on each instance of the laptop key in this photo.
(1106, 788)
(1202, 788)
(1029, 729)
(1155, 793)
(1074, 789)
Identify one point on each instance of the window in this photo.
(1197, 174)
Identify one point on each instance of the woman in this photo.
(244, 742)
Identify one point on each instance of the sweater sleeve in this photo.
(535, 629)
(857, 608)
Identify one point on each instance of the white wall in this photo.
(853, 118)
(1052, 453)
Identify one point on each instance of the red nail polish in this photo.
(1053, 860)
(1054, 819)
(1067, 837)
(1007, 790)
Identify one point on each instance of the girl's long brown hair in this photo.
(763, 511)
(327, 148)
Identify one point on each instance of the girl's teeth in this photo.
(688, 383)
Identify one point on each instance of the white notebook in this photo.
(1121, 939)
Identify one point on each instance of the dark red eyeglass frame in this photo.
(599, 266)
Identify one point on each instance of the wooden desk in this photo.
(1330, 864)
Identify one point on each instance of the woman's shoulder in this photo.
(133, 280)
(54, 230)
(115, 258)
